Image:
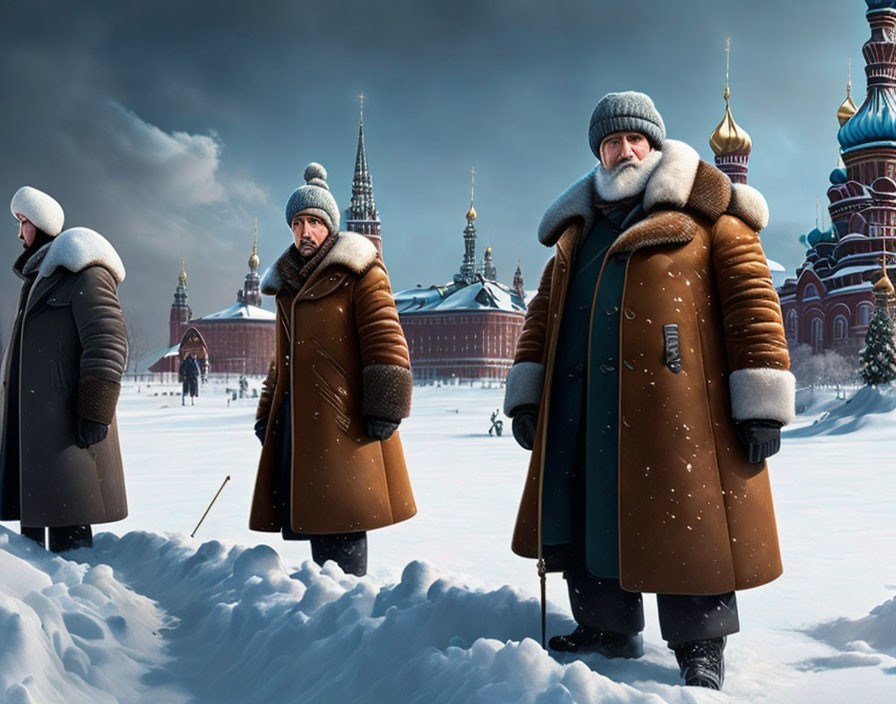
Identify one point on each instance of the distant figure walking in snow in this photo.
(497, 426)
(189, 373)
(651, 382)
(331, 465)
(60, 462)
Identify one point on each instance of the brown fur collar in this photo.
(680, 182)
(349, 249)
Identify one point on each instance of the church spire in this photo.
(362, 214)
(180, 309)
(468, 267)
(250, 293)
(730, 142)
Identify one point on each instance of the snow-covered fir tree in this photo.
(878, 356)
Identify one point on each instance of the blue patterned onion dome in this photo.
(814, 237)
(880, 4)
(838, 176)
(875, 121)
(829, 235)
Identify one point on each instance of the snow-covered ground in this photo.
(448, 613)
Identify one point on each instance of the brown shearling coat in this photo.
(694, 516)
(341, 353)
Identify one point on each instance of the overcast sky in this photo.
(157, 122)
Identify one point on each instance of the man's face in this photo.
(27, 230)
(308, 231)
(619, 147)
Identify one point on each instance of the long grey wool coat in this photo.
(71, 356)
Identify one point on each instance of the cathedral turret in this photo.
(250, 294)
(730, 142)
(489, 272)
(518, 281)
(467, 271)
(868, 138)
(180, 310)
(362, 214)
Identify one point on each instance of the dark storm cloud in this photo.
(153, 121)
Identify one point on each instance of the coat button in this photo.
(611, 311)
(609, 366)
(629, 313)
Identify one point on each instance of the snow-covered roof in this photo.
(241, 311)
(460, 296)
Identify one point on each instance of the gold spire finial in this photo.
(254, 260)
(471, 213)
(847, 108)
(729, 137)
(183, 263)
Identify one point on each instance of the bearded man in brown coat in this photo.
(60, 462)
(331, 465)
(651, 382)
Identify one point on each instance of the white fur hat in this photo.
(39, 208)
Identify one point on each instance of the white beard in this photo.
(626, 179)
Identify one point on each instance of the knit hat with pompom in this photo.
(315, 198)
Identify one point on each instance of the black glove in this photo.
(261, 428)
(380, 428)
(525, 420)
(90, 433)
(762, 438)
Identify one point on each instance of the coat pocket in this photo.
(672, 347)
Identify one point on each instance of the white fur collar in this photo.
(669, 184)
(76, 249)
(351, 250)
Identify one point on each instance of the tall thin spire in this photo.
(250, 293)
(362, 214)
(180, 310)
(468, 267)
(730, 142)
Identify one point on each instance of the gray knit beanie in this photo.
(40, 208)
(629, 111)
(314, 196)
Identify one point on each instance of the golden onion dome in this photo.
(471, 213)
(884, 285)
(254, 261)
(729, 137)
(846, 110)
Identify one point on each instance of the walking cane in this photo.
(226, 479)
(542, 577)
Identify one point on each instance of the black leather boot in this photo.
(592, 640)
(701, 662)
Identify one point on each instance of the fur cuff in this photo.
(386, 391)
(762, 394)
(97, 399)
(749, 205)
(523, 386)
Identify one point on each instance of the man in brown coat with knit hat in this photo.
(331, 465)
(651, 382)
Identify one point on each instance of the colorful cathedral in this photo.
(830, 301)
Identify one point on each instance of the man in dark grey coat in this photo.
(60, 462)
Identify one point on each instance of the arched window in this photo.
(792, 324)
(864, 313)
(841, 328)
(810, 292)
(817, 335)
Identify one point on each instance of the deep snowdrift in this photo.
(231, 625)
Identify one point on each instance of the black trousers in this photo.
(62, 538)
(600, 603)
(348, 550)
